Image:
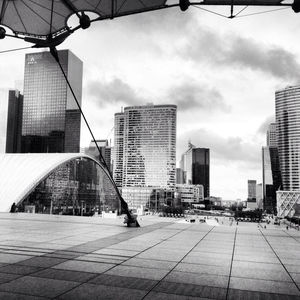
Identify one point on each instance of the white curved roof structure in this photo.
(21, 173)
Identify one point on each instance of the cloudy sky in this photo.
(221, 73)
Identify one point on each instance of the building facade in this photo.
(105, 150)
(195, 163)
(251, 200)
(14, 122)
(51, 118)
(150, 146)
(271, 178)
(287, 102)
(118, 150)
(189, 193)
(271, 135)
(145, 149)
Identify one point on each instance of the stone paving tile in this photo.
(98, 258)
(260, 274)
(170, 255)
(266, 286)
(257, 265)
(96, 292)
(65, 254)
(12, 258)
(234, 294)
(8, 277)
(13, 296)
(264, 259)
(164, 296)
(206, 261)
(198, 279)
(146, 273)
(296, 277)
(203, 269)
(65, 275)
(126, 282)
(293, 269)
(42, 261)
(150, 263)
(35, 286)
(19, 269)
(84, 266)
(191, 290)
(117, 252)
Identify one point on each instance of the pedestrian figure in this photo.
(237, 223)
(265, 227)
(287, 227)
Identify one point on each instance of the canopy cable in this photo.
(17, 49)
(241, 11)
(263, 12)
(210, 11)
(124, 205)
(237, 15)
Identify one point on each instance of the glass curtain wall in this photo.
(77, 187)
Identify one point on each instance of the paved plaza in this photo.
(65, 257)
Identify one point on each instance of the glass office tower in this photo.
(195, 166)
(287, 103)
(14, 122)
(118, 149)
(51, 119)
(150, 146)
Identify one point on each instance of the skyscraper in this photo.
(271, 177)
(145, 151)
(118, 150)
(105, 150)
(14, 122)
(271, 135)
(150, 146)
(287, 102)
(51, 119)
(195, 164)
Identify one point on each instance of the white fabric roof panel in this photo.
(21, 173)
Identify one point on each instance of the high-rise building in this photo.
(145, 150)
(150, 146)
(118, 150)
(51, 118)
(252, 190)
(251, 200)
(271, 135)
(105, 150)
(271, 177)
(195, 164)
(14, 122)
(287, 102)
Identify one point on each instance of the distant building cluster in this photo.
(46, 119)
(279, 192)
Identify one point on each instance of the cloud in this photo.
(265, 125)
(222, 148)
(114, 92)
(239, 52)
(193, 95)
(186, 96)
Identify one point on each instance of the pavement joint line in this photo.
(230, 270)
(291, 235)
(178, 231)
(84, 253)
(159, 281)
(280, 261)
